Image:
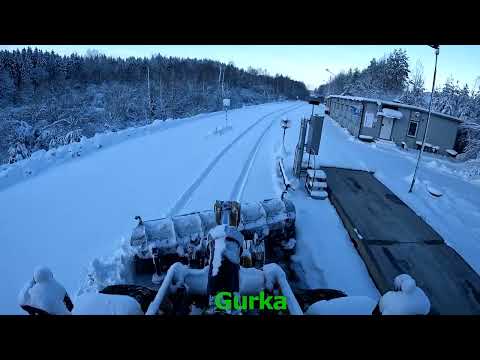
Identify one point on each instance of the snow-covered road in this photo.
(70, 214)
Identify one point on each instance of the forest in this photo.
(48, 100)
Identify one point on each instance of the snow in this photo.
(317, 174)
(218, 253)
(390, 113)
(74, 213)
(452, 152)
(322, 195)
(408, 299)
(325, 256)
(317, 184)
(44, 293)
(434, 191)
(350, 305)
(105, 304)
(274, 274)
(253, 213)
(290, 244)
(225, 248)
(73, 210)
(366, 137)
(160, 233)
(188, 226)
(252, 281)
(275, 210)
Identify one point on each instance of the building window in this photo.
(412, 128)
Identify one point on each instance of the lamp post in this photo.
(437, 51)
(330, 81)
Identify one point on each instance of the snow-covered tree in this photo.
(396, 71)
(415, 93)
(17, 152)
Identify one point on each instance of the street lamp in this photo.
(437, 51)
(330, 81)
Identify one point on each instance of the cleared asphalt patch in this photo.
(392, 239)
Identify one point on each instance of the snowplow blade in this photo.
(272, 220)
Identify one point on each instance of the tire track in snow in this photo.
(183, 200)
(238, 189)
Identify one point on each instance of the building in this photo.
(393, 121)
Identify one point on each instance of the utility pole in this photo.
(437, 51)
(330, 81)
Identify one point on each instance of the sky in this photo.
(307, 63)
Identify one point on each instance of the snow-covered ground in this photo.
(66, 215)
(65, 211)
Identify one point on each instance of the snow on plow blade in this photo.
(272, 220)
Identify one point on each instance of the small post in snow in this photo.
(226, 105)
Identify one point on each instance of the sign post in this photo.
(285, 124)
(226, 105)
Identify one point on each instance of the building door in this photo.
(386, 130)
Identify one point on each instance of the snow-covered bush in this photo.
(18, 152)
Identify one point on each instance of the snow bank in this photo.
(42, 160)
(104, 304)
(112, 270)
(350, 305)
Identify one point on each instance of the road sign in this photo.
(285, 124)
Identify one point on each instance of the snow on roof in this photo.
(384, 102)
(390, 113)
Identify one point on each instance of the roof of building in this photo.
(397, 104)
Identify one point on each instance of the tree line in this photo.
(47, 99)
